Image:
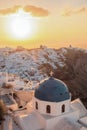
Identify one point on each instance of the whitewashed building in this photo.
(51, 109)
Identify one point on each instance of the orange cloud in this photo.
(9, 10)
(35, 11)
(69, 12)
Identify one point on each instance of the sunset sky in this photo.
(54, 23)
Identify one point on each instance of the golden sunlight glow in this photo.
(21, 25)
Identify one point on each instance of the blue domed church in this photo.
(51, 109)
(52, 97)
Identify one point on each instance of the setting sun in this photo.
(54, 24)
(21, 25)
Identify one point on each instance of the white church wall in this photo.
(42, 120)
(52, 122)
(73, 115)
(56, 107)
(79, 105)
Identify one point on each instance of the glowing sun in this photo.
(21, 25)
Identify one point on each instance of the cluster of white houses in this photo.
(50, 109)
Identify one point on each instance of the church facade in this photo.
(51, 109)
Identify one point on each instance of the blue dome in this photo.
(52, 90)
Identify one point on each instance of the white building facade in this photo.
(51, 105)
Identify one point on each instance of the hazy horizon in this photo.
(35, 47)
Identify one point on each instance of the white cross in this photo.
(51, 73)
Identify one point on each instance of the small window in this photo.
(36, 105)
(63, 108)
(48, 109)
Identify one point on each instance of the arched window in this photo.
(36, 104)
(63, 108)
(48, 109)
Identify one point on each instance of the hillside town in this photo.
(31, 96)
